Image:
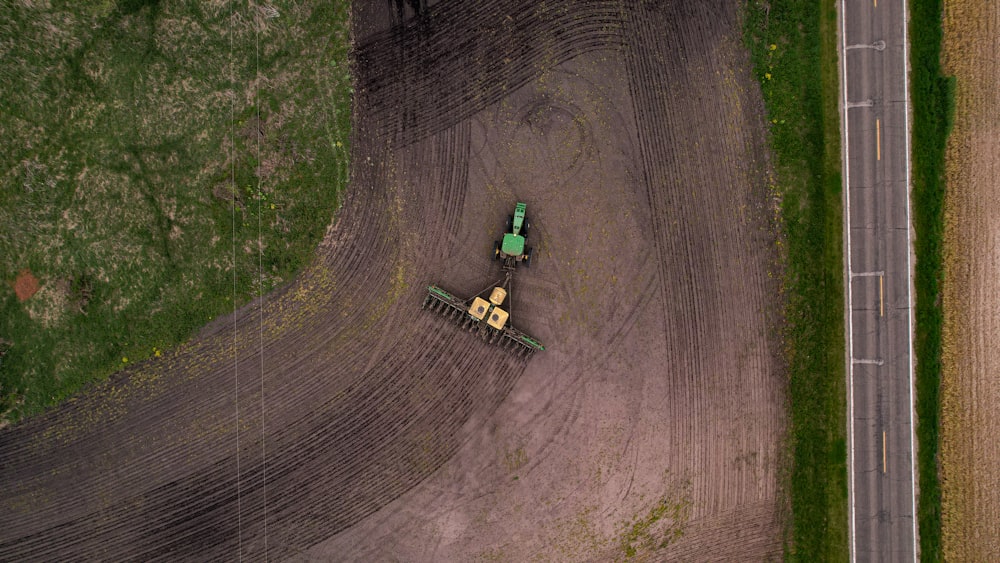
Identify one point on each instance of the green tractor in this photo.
(488, 316)
(511, 249)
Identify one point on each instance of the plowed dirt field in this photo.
(336, 420)
(970, 452)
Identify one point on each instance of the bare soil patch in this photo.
(970, 452)
(351, 425)
(26, 285)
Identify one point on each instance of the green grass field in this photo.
(793, 47)
(131, 182)
(933, 104)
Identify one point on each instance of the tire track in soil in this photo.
(687, 181)
(705, 193)
(700, 239)
(331, 461)
(458, 58)
(371, 395)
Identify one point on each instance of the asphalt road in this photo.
(876, 176)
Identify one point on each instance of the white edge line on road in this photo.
(847, 254)
(909, 267)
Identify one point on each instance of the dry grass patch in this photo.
(970, 453)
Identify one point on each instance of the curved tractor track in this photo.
(336, 420)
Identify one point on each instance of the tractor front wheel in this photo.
(525, 226)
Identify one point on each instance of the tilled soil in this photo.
(970, 391)
(336, 420)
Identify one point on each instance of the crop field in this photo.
(134, 202)
(334, 419)
(970, 392)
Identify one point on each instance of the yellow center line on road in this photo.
(881, 301)
(878, 141)
(883, 451)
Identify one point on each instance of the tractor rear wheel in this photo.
(527, 257)
(496, 250)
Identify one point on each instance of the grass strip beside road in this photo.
(932, 95)
(132, 187)
(793, 46)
